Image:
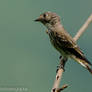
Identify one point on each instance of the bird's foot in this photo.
(61, 64)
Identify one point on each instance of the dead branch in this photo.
(83, 28)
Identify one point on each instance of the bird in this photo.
(61, 40)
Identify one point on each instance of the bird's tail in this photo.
(89, 69)
(84, 62)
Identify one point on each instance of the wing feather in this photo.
(69, 45)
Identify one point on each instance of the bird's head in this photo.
(48, 19)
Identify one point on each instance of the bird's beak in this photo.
(39, 19)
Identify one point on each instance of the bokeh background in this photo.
(27, 59)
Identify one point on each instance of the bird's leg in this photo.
(62, 63)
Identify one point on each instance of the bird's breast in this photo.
(55, 41)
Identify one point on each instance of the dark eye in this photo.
(44, 15)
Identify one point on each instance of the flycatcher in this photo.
(61, 39)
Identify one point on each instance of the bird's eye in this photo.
(45, 15)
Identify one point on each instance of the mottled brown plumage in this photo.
(61, 40)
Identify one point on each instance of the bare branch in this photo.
(62, 61)
(57, 81)
(83, 28)
(59, 76)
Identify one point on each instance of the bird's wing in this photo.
(70, 46)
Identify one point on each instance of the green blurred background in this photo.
(27, 58)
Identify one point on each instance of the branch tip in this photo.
(62, 88)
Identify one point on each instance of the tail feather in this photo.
(89, 69)
(85, 59)
(84, 62)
